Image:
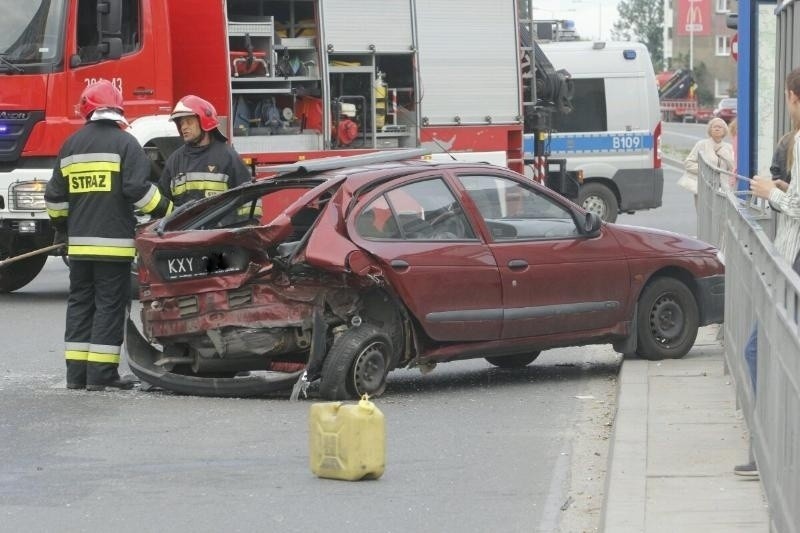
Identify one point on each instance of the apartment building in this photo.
(696, 35)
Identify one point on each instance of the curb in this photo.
(626, 476)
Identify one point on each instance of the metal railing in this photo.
(760, 289)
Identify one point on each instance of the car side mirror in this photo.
(591, 224)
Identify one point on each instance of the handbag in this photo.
(688, 182)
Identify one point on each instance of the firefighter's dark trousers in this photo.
(99, 292)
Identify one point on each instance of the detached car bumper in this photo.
(142, 356)
(711, 298)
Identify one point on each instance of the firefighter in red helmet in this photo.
(100, 178)
(205, 165)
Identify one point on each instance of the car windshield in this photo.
(728, 102)
(30, 32)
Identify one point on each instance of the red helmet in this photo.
(100, 95)
(194, 105)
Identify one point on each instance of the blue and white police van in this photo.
(613, 134)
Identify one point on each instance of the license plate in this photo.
(198, 265)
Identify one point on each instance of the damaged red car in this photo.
(353, 271)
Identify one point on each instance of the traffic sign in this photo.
(735, 46)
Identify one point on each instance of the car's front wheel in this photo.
(357, 364)
(667, 320)
(517, 360)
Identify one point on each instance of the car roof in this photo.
(362, 175)
(377, 164)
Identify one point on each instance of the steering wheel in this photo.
(448, 225)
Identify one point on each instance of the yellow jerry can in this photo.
(347, 441)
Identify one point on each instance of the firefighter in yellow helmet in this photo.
(100, 178)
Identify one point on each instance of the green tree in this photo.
(643, 21)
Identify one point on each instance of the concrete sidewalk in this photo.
(677, 437)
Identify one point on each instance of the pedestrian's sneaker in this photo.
(76, 386)
(749, 470)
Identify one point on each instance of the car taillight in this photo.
(657, 146)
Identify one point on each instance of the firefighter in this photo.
(101, 176)
(205, 165)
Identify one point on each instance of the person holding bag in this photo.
(714, 150)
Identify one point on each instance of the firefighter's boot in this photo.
(103, 376)
(76, 374)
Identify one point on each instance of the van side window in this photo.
(589, 113)
(88, 38)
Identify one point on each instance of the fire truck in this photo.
(290, 79)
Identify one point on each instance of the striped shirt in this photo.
(787, 235)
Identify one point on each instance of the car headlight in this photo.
(27, 196)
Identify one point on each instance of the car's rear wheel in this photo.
(600, 200)
(357, 364)
(667, 320)
(517, 360)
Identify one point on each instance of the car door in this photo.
(555, 280)
(432, 257)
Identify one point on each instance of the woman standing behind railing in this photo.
(715, 152)
(783, 197)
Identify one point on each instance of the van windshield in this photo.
(30, 32)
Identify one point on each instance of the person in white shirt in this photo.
(785, 199)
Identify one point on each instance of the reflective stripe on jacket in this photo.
(100, 177)
(195, 172)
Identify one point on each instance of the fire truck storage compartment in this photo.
(381, 86)
(289, 89)
(251, 41)
(274, 63)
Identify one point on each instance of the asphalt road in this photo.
(470, 447)
(681, 136)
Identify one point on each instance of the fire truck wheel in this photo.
(599, 199)
(16, 275)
